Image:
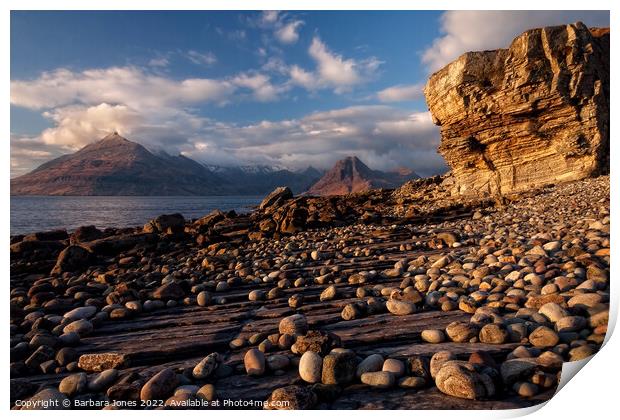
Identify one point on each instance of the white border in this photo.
(592, 394)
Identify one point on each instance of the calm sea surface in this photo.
(33, 214)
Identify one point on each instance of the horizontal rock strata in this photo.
(536, 113)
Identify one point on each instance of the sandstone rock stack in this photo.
(534, 114)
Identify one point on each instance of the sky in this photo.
(288, 89)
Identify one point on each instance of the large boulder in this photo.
(85, 234)
(460, 379)
(276, 197)
(294, 220)
(310, 367)
(461, 332)
(291, 397)
(296, 324)
(98, 362)
(532, 114)
(50, 235)
(208, 221)
(339, 368)
(73, 258)
(43, 249)
(113, 245)
(169, 291)
(316, 341)
(84, 312)
(206, 366)
(73, 384)
(160, 386)
(516, 369)
(166, 223)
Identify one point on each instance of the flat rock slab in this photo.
(361, 397)
(180, 337)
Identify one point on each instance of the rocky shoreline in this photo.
(462, 291)
(407, 298)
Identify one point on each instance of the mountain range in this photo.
(117, 166)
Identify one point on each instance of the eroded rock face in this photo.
(536, 113)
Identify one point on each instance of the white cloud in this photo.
(269, 17)
(260, 85)
(303, 78)
(382, 136)
(284, 27)
(400, 93)
(205, 59)
(276, 65)
(129, 86)
(156, 111)
(289, 33)
(331, 67)
(74, 125)
(473, 30)
(333, 70)
(159, 62)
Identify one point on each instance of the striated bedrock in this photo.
(534, 114)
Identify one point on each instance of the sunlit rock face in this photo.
(534, 114)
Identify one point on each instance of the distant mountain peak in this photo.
(114, 165)
(353, 160)
(112, 142)
(312, 171)
(351, 164)
(351, 175)
(114, 137)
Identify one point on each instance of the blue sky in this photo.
(106, 39)
(282, 88)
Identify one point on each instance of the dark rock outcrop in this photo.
(166, 223)
(276, 197)
(72, 258)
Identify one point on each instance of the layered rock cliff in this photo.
(536, 113)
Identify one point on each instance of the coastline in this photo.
(368, 272)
